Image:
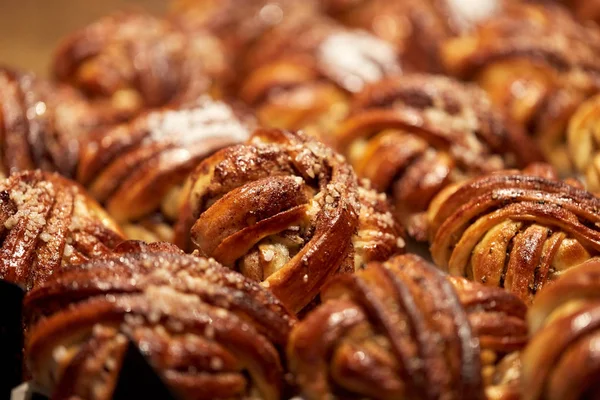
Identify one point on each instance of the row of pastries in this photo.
(323, 199)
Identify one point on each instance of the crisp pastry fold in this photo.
(404, 330)
(132, 61)
(512, 229)
(537, 63)
(137, 169)
(286, 210)
(46, 223)
(208, 331)
(561, 361)
(414, 135)
(41, 124)
(417, 28)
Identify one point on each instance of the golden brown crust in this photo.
(537, 63)
(414, 135)
(210, 332)
(286, 210)
(137, 169)
(400, 330)
(134, 61)
(41, 124)
(47, 222)
(514, 230)
(561, 360)
(583, 138)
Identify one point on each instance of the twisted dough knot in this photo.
(515, 231)
(47, 222)
(207, 330)
(403, 330)
(137, 169)
(287, 210)
(414, 135)
(584, 140)
(135, 61)
(41, 124)
(536, 62)
(304, 84)
(561, 361)
(417, 28)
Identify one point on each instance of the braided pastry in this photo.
(561, 361)
(536, 62)
(416, 27)
(413, 135)
(134, 61)
(47, 222)
(403, 330)
(514, 230)
(41, 124)
(286, 210)
(207, 330)
(137, 169)
(299, 74)
(584, 139)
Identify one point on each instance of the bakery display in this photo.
(209, 332)
(46, 223)
(516, 230)
(413, 135)
(560, 362)
(536, 62)
(137, 169)
(404, 330)
(321, 199)
(287, 210)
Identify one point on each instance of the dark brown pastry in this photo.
(514, 230)
(416, 134)
(133, 61)
(537, 63)
(286, 210)
(47, 222)
(415, 27)
(299, 74)
(562, 361)
(41, 124)
(137, 169)
(404, 330)
(208, 331)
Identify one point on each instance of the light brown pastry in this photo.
(137, 169)
(41, 124)
(583, 139)
(286, 210)
(514, 230)
(404, 330)
(417, 28)
(414, 135)
(536, 62)
(561, 360)
(47, 222)
(208, 331)
(132, 61)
